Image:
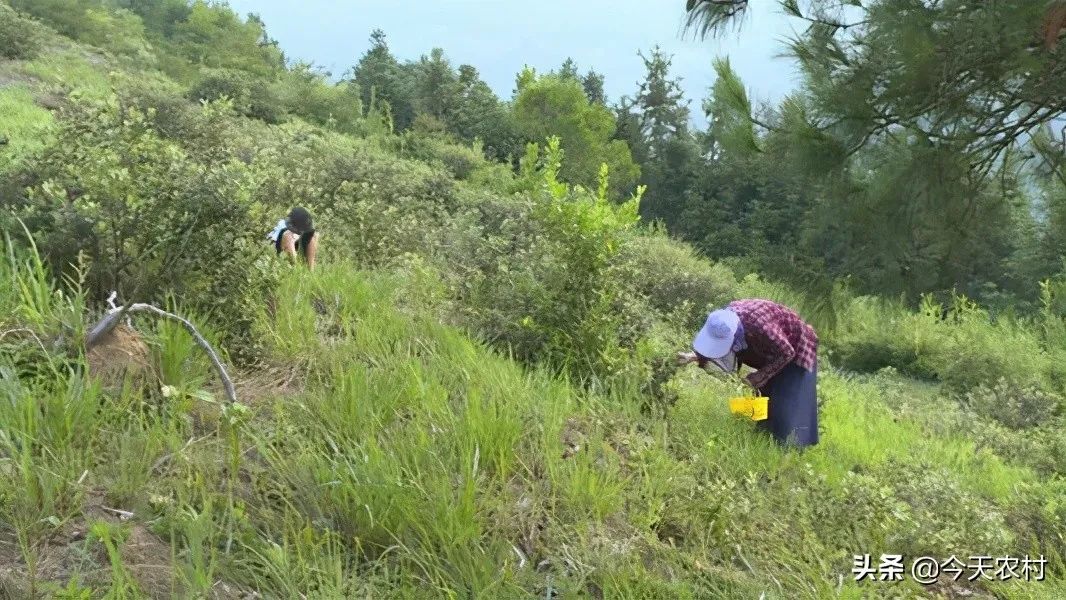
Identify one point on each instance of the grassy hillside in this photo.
(386, 454)
(472, 397)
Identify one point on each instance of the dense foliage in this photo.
(19, 37)
(916, 153)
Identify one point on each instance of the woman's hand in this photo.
(748, 388)
(684, 358)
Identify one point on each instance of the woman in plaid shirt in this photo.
(782, 349)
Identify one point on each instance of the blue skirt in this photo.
(792, 415)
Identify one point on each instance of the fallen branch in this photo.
(111, 303)
(113, 316)
(122, 514)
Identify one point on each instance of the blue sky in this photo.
(498, 37)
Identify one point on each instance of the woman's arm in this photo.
(288, 243)
(312, 250)
(783, 353)
(684, 358)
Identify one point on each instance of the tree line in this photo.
(922, 152)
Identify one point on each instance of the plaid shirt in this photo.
(776, 336)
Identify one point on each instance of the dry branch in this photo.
(113, 316)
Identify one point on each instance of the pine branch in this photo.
(711, 17)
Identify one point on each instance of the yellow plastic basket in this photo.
(755, 408)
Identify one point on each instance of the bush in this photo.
(547, 290)
(961, 345)
(164, 104)
(459, 160)
(935, 516)
(119, 31)
(872, 337)
(172, 224)
(20, 38)
(251, 96)
(674, 279)
(492, 176)
(912, 509)
(1014, 406)
(308, 94)
(1041, 448)
(65, 16)
(370, 206)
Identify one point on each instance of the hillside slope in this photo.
(385, 454)
(381, 450)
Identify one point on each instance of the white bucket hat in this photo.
(715, 340)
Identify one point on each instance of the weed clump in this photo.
(1016, 407)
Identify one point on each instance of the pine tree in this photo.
(660, 103)
(593, 84)
(908, 128)
(379, 78)
(478, 114)
(434, 85)
(569, 70)
(655, 124)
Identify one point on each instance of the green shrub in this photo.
(674, 279)
(171, 224)
(1037, 516)
(1014, 406)
(119, 31)
(208, 131)
(20, 38)
(116, 30)
(164, 104)
(965, 347)
(492, 176)
(302, 162)
(934, 515)
(547, 290)
(909, 508)
(459, 160)
(961, 345)
(307, 93)
(872, 337)
(251, 95)
(370, 205)
(1042, 448)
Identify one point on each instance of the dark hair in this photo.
(300, 219)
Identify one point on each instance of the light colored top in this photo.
(273, 235)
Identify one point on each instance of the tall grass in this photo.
(71, 70)
(47, 411)
(23, 124)
(412, 462)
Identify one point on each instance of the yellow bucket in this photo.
(754, 408)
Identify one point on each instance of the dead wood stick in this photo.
(113, 316)
(123, 514)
